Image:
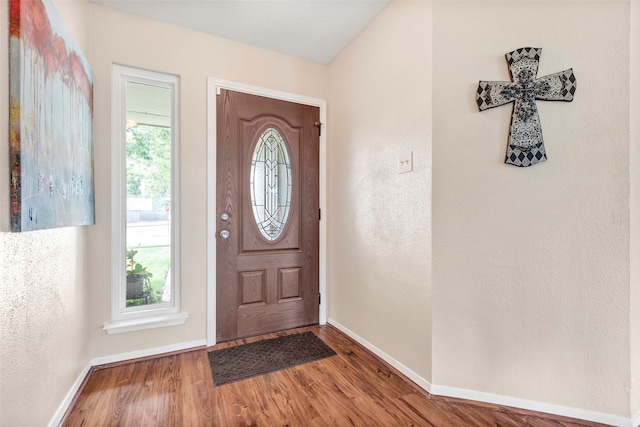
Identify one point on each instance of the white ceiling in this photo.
(316, 30)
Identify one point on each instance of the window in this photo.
(145, 290)
(270, 183)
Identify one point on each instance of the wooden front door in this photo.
(267, 215)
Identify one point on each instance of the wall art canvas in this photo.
(526, 145)
(50, 121)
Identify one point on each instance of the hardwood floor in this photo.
(353, 388)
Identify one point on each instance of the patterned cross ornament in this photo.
(526, 146)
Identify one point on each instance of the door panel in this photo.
(266, 280)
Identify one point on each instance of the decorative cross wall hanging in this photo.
(526, 146)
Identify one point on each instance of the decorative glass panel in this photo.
(270, 183)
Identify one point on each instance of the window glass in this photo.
(270, 183)
(148, 172)
(145, 200)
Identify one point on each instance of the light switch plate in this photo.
(405, 162)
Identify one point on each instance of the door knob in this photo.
(224, 234)
(224, 217)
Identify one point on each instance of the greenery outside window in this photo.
(145, 200)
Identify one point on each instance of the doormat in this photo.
(262, 357)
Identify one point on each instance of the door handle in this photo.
(224, 234)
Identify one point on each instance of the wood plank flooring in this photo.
(354, 388)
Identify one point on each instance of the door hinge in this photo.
(319, 214)
(319, 299)
(319, 126)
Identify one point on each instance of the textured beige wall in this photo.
(126, 39)
(379, 221)
(531, 265)
(43, 287)
(635, 207)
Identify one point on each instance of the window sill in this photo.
(121, 326)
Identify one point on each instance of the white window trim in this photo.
(125, 319)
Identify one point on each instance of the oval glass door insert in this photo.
(270, 183)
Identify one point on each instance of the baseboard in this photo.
(564, 411)
(68, 399)
(106, 360)
(407, 372)
(495, 399)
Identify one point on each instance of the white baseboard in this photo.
(564, 411)
(496, 399)
(57, 418)
(147, 352)
(412, 375)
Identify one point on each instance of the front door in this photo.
(267, 215)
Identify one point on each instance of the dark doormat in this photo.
(262, 357)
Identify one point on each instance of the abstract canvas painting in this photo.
(50, 122)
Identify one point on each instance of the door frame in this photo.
(213, 87)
